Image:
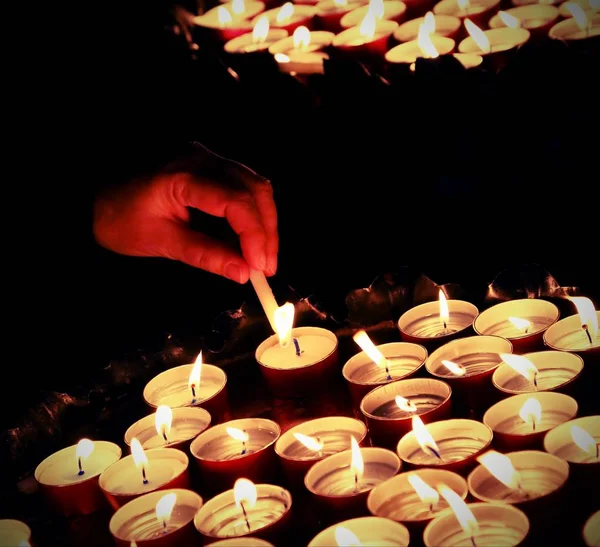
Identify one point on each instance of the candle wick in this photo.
(522, 490)
(435, 452)
(164, 435)
(597, 450)
(144, 478)
(535, 380)
(533, 423)
(243, 448)
(445, 325)
(356, 482)
(245, 515)
(81, 471)
(193, 388)
(297, 346)
(473, 542)
(387, 370)
(587, 332)
(164, 526)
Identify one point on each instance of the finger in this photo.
(178, 242)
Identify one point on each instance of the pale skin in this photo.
(149, 217)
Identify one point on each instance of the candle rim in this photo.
(307, 11)
(374, 520)
(383, 28)
(488, 5)
(563, 323)
(591, 524)
(456, 23)
(351, 14)
(322, 38)
(273, 35)
(515, 11)
(246, 541)
(557, 432)
(445, 45)
(594, 17)
(323, 12)
(415, 310)
(13, 524)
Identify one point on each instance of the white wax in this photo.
(13, 532)
(61, 469)
(313, 349)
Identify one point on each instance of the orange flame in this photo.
(301, 37)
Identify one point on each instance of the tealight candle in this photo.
(537, 18)
(524, 479)
(143, 472)
(566, 11)
(261, 510)
(438, 25)
(302, 53)
(378, 365)
(478, 11)
(478, 524)
(157, 519)
(582, 26)
(167, 427)
(228, 20)
(256, 42)
(521, 421)
(242, 542)
(69, 478)
(341, 483)
(468, 60)
(449, 444)
(591, 531)
(523, 321)
(393, 10)
(330, 12)
(389, 409)
(363, 531)
(306, 443)
(412, 499)
(435, 323)
(236, 448)
(14, 532)
(576, 442)
(371, 37)
(288, 17)
(426, 47)
(190, 385)
(539, 371)
(467, 365)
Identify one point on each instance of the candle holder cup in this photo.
(369, 530)
(350, 44)
(14, 532)
(445, 25)
(536, 18)
(329, 14)
(478, 11)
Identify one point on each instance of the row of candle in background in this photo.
(396, 411)
(355, 27)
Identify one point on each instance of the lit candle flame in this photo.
(163, 418)
(502, 468)
(139, 458)
(583, 23)
(357, 465)
(310, 442)
(285, 12)
(463, 514)
(84, 449)
(522, 365)
(444, 312)
(429, 51)
(429, 22)
(424, 491)
(259, 35)
(165, 507)
(368, 25)
(238, 7)
(463, 4)
(585, 307)
(377, 7)
(245, 496)
(585, 441)
(224, 16)
(284, 315)
(346, 538)
(237, 434)
(511, 22)
(301, 37)
(195, 375)
(340, 3)
(282, 58)
(424, 438)
(366, 344)
(478, 36)
(405, 404)
(454, 368)
(522, 324)
(531, 412)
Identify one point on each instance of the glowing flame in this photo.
(284, 315)
(282, 58)
(368, 26)
(584, 440)
(84, 449)
(164, 508)
(511, 22)
(366, 344)
(405, 404)
(478, 36)
(430, 52)
(520, 364)
(454, 368)
(465, 517)
(194, 380)
(583, 23)
(463, 4)
(137, 453)
(310, 442)
(301, 37)
(376, 6)
(585, 307)
(237, 434)
(502, 468)
(522, 324)
(346, 538)
(285, 12)
(163, 418)
(357, 465)
(444, 313)
(423, 436)
(340, 3)
(224, 16)
(531, 411)
(429, 22)
(238, 7)
(244, 492)
(423, 490)
(259, 35)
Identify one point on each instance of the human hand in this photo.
(149, 217)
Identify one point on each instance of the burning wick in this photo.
(243, 451)
(435, 453)
(164, 434)
(473, 542)
(587, 332)
(193, 388)
(245, 515)
(356, 481)
(297, 346)
(144, 478)
(81, 471)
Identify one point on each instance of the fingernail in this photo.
(261, 261)
(233, 272)
(272, 265)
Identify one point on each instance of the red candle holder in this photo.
(301, 16)
(478, 11)
(388, 421)
(446, 26)
(296, 371)
(393, 10)
(138, 521)
(568, 335)
(353, 43)
(222, 456)
(329, 13)
(222, 23)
